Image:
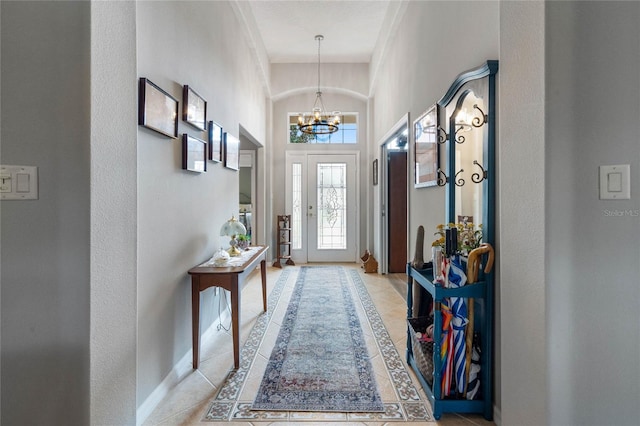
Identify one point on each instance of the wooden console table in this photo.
(231, 279)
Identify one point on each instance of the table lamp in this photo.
(231, 228)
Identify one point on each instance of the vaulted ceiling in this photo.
(351, 29)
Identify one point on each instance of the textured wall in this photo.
(45, 242)
(113, 213)
(521, 214)
(593, 300)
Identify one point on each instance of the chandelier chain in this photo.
(319, 38)
(318, 122)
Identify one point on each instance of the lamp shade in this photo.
(232, 227)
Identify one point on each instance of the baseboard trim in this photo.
(497, 415)
(179, 371)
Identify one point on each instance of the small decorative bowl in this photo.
(220, 258)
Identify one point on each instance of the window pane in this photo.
(332, 205)
(347, 132)
(296, 217)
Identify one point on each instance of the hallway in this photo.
(197, 399)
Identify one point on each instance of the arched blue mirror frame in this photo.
(478, 83)
(474, 91)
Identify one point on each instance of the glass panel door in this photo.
(332, 208)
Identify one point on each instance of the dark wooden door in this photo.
(397, 211)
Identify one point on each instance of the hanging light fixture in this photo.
(318, 121)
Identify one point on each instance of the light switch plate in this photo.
(18, 182)
(615, 182)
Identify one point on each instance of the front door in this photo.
(322, 203)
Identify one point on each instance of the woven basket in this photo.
(422, 351)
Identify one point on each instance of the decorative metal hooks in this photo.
(442, 178)
(460, 138)
(442, 135)
(459, 181)
(480, 176)
(479, 121)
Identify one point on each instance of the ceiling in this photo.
(351, 29)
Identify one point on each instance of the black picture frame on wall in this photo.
(194, 108)
(426, 152)
(157, 110)
(231, 152)
(194, 150)
(216, 136)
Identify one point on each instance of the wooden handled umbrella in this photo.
(473, 269)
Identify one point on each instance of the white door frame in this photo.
(302, 255)
(248, 159)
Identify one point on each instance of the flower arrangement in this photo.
(469, 237)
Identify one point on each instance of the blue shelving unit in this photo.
(465, 128)
(483, 307)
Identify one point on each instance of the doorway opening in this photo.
(394, 197)
(251, 187)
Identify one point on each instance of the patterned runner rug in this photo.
(320, 360)
(400, 395)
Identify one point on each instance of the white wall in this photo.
(180, 213)
(291, 79)
(593, 296)
(113, 213)
(521, 166)
(45, 242)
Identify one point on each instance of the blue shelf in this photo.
(478, 291)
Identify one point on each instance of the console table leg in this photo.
(235, 321)
(263, 273)
(195, 319)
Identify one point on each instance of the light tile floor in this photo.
(191, 399)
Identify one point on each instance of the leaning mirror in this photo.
(469, 158)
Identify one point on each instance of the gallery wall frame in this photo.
(231, 151)
(426, 148)
(194, 154)
(157, 109)
(216, 136)
(194, 108)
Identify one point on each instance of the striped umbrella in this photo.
(457, 279)
(445, 349)
(446, 354)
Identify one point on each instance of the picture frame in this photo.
(157, 109)
(194, 108)
(216, 136)
(194, 150)
(375, 172)
(231, 152)
(426, 148)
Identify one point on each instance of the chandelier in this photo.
(318, 121)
